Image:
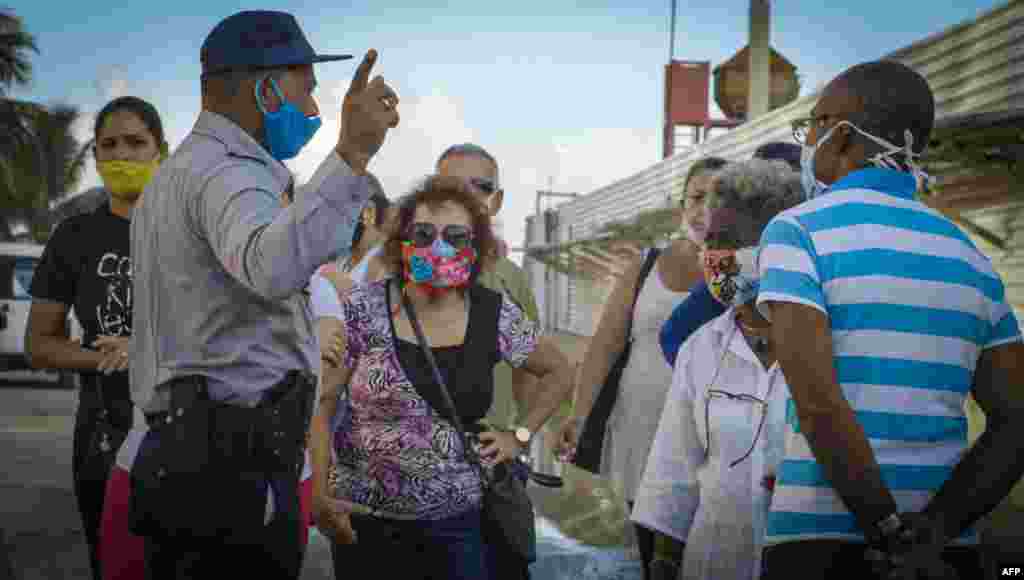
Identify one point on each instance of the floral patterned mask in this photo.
(439, 266)
(731, 275)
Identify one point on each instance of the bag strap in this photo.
(471, 457)
(650, 257)
(414, 321)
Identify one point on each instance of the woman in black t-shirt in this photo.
(86, 267)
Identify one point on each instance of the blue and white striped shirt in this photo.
(912, 304)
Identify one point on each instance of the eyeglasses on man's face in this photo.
(802, 126)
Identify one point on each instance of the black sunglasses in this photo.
(423, 234)
(483, 185)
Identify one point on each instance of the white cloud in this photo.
(429, 124)
(581, 162)
(112, 82)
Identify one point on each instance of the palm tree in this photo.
(15, 70)
(15, 43)
(44, 170)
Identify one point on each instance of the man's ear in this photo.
(495, 202)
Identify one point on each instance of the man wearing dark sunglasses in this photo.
(480, 169)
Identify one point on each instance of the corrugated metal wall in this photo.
(1007, 222)
(975, 66)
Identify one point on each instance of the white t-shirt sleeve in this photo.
(323, 298)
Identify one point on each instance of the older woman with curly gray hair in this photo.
(708, 482)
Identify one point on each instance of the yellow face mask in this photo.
(126, 177)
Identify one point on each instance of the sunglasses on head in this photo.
(423, 234)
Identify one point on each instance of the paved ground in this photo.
(40, 532)
(41, 537)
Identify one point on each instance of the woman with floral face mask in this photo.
(406, 493)
(708, 481)
(86, 268)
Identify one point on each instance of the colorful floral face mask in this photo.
(439, 266)
(731, 275)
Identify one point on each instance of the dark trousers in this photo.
(645, 542)
(449, 549)
(814, 559)
(273, 551)
(501, 565)
(505, 565)
(89, 494)
(89, 481)
(277, 555)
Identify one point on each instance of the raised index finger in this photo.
(362, 76)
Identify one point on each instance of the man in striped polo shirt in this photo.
(885, 316)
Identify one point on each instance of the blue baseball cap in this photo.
(255, 39)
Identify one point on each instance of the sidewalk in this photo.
(40, 531)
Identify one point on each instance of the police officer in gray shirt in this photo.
(223, 359)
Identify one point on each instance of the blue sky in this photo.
(565, 94)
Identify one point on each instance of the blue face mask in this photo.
(287, 130)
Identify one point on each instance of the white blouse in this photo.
(719, 510)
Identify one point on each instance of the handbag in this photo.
(589, 448)
(104, 442)
(508, 520)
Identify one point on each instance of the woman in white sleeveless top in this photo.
(646, 377)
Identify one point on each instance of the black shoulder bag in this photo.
(508, 519)
(591, 440)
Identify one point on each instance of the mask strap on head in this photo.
(259, 97)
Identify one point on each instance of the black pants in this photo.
(89, 494)
(278, 555)
(271, 551)
(501, 565)
(645, 542)
(89, 482)
(814, 559)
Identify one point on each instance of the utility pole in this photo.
(759, 97)
(672, 35)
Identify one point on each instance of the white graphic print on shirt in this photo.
(114, 311)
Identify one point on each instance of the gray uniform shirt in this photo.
(219, 267)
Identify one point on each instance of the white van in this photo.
(17, 266)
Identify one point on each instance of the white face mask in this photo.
(813, 188)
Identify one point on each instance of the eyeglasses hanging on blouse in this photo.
(713, 393)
